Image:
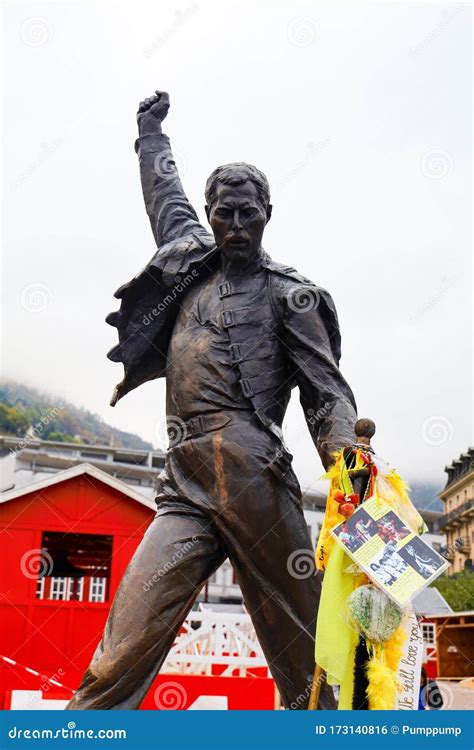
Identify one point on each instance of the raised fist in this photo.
(152, 112)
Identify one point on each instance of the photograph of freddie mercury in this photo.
(232, 332)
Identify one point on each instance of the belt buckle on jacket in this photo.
(196, 426)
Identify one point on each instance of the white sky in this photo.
(360, 116)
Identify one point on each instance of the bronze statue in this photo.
(233, 332)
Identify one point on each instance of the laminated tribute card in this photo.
(392, 556)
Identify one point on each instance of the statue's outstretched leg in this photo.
(178, 553)
(273, 556)
(244, 481)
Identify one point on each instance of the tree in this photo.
(12, 420)
(458, 590)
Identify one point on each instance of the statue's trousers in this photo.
(230, 492)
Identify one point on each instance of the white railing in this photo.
(212, 638)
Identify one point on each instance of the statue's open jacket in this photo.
(307, 320)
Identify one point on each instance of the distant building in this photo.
(27, 460)
(449, 646)
(458, 518)
(428, 605)
(435, 536)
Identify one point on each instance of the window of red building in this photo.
(76, 567)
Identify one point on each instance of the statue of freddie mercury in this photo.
(233, 332)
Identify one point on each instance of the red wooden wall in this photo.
(59, 637)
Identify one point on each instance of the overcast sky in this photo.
(359, 114)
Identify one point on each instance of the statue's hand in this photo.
(152, 112)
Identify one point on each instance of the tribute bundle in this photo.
(361, 631)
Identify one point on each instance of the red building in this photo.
(449, 646)
(66, 541)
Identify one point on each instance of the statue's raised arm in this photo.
(171, 214)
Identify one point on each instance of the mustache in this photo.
(237, 236)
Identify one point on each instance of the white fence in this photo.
(215, 638)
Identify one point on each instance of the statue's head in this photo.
(238, 208)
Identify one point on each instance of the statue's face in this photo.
(237, 218)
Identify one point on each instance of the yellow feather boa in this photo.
(382, 672)
(382, 689)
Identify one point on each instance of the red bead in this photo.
(346, 509)
(354, 499)
(339, 496)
